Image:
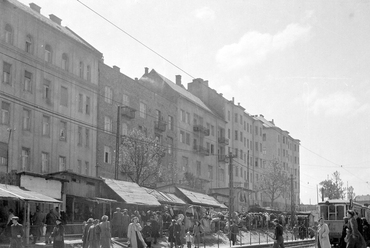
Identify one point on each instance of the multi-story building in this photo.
(198, 128)
(252, 150)
(141, 108)
(48, 93)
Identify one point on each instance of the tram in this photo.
(333, 212)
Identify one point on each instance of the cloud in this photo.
(253, 47)
(205, 13)
(339, 103)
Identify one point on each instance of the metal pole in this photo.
(231, 199)
(8, 152)
(118, 142)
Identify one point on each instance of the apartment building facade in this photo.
(141, 108)
(48, 93)
(198, 128)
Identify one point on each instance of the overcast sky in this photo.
(305, 64)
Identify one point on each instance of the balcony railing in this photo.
(201, 150)
(223, 140)
(160, 126)
(201, 129)
(128, 112)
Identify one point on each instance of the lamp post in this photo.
(10, 130)
(118, 141)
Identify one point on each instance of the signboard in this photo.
(50, 187)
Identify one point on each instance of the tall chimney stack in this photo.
(178, 80)
(35, 7)
(146, 70)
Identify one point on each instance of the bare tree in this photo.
(140, 158)
(275, 182)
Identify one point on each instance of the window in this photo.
(87, 105)
(107, 155)
(63, 131)
(5, 113)
(241, 154)
(64, 96)
(25, 163)
(183, 115)
(26, 119)
(187, 117)
(45, 126)
(256, 130)
(62, 163)
(87, 137)
(236, 118)
(80, 102)
(199, 170)
(8, 34)
(241, 136)
(87, 167)
(88, 73)
(48, 53)
(185, 163)
(260, 147)
(27, 82)
(125, 100)
(245, 142)
(29, 44)
(222, 175)
(236, 152)
(123, 129)
(236, 171)
(46, 94)
(182, 136)
(212, 148)
(7, 76)
(228, 133)
(142, 110)
(188, 139)
(108, 95)
(210, 171)
(81, 70)
(79, 166)
(212, 130)
(169, 144)
(264, 137)
(79, 136)
(158, 115)
(44, 162)
(170, 122)
(236, 135)
(107, 124)
(245, 126)
(65, 62)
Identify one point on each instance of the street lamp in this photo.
(10, 130)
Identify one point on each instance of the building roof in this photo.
(362, 198)
(131, 192)
(201, 199)
(65, 30)
(183, 92)
(15, 192)
(165, 197)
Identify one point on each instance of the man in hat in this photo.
(16, 233)
(125, 222)
(117, 223)
(279, 239)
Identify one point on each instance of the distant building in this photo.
(362, 199)
(48, 96)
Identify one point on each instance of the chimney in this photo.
(262, 116)
(206, 82)
(55, 19)
(116, 68)
(146, 70)
(233, 100)
(35, 7)
(272, 121)
(178, 80)
(238, 103)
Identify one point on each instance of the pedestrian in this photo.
(85, 241)
(155, 228)
(323, 234)
(134, 234)
(197, 230)
(171, 233)
(50, 221)
(147, 233)
(279, 239)
(38, 220)
(342, 242)
(234, 230)
(16, 231)
(355, 238)
(93, 235)
(117, 223)
(58, 234)
(366, 230)
(105, 232)
(188, 239)
(295, 231)
(125, 222)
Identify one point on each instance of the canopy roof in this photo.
(165, 197)
(201, 199)
(15, 192)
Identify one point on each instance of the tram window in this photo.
(332, 212)
(340, 212)
(324, 212)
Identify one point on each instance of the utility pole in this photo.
(8, 152)
(231, 188)
(292, 200)
(118, 142)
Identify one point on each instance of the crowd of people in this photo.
(355, 232)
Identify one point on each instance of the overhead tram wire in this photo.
(135, 39)
(93, 92)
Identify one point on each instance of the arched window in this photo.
(81, 70)
(48, 53)
(8, 34)
(65, 62)
(29, 44)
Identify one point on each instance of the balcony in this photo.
(128, 112)
(223, 141)
(160, 126)
(222, 158)
(201, 150)
(201, 129)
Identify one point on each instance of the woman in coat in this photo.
(355, 238)
(197, 230)
(105, 232)
(323, 234)
(58, 234)
(134, 235)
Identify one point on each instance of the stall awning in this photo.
(165, 197)
(17, 193)
(131, 192)
(201, 199)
